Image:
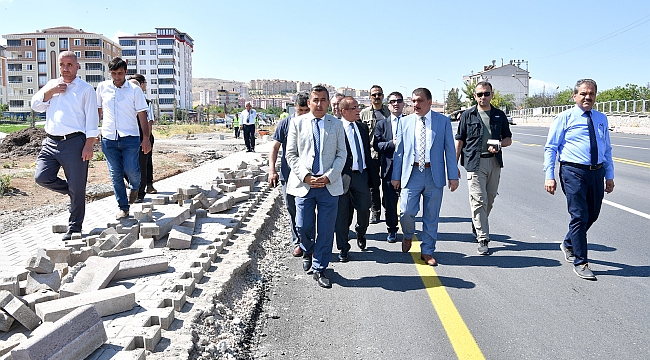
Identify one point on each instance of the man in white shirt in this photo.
(336, 99)
(356, 194)
(247, 119)
(122, 105)
(71, 125)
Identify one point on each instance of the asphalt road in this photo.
(521, 302)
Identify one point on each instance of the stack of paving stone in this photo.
(113, 293)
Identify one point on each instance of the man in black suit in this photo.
(356, 194)
(384, 144)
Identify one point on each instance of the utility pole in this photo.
(444, 96)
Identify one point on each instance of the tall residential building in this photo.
(508, 78)
(32, 60)
(165, 59)
(3, 75)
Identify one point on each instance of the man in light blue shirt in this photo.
(579, 138)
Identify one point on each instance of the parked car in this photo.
(510, 121)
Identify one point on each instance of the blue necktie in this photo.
(593, 145)
(315, 129)
(358, 148)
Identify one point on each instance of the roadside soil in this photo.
(25, 201)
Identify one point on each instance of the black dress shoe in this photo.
(344, 256)
(67, 236)
(322, 280)
(361, 241)
(306, 262)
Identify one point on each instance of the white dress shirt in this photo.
(248, 118)
(427, 146)
(75, 110)
(120, 108)
(348, 126)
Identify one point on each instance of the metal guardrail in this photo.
(630, 107)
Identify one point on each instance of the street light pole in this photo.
(444, 97)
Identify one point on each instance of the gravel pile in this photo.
(24, 142)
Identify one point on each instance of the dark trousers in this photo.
(390, 197)
(290, 201)
(375, 181)
(237, 131)
(584, 191)
(357, 198)
(249, 137)
(146, 169)
(67, 154)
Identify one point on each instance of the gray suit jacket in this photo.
(300, 153)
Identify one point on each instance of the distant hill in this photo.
(200, 84)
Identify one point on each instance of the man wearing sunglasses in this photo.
(384, 144)
(482, 131)
(371, 115)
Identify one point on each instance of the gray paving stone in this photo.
(107, 301)
(95, 275)
(40, 264)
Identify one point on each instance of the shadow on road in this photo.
(399, 283)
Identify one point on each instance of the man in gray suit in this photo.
(316, 154)
(424, 144)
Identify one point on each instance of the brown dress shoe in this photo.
(133, 196)
(406, 245)
(297, 251)
(428, 259)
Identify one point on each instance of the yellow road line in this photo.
(459, 335)
(632, 162)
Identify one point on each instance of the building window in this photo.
(154, 71)
(154, 91)
(142, 42)
(29, 67)
(77, 42)
(152, 62)
(165, 41)
(78, 53)
(92, 42)
(153, 81)
(40, 55)
(30, 91)
(42, 80)
(94, 78)
(40, 43)
(167, 71)
(128, 52)
(127, 42)
(42, 68)
(15, 79)
(166, 101)
(28, 55)
(93, 55)
(16, 103)
(169, 91)
(15, 67)
(152, 52)
(143, 62)
(30, 79)
(28, 42)
(152, 42)
(63, 43)
(131, 71)
(95, 66)
(143, 52)
(13, 42)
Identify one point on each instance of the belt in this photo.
(582, 166)
(487, 155)
(65, 137)
(426, 165)
(356, 172)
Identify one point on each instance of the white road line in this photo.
(625, 208)
(631, 147)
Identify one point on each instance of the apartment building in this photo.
(508, 78)
(32, 60)
(165, 59)
(3, 75)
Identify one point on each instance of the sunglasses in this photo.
(396, 101)
(377, 94)
(486, 94)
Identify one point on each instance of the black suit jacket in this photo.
(384, 145)
(365, 142)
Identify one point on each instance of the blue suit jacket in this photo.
(442, 153)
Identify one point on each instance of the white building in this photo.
(3, 75)
(165, 59)
(510, 78)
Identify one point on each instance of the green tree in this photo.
(4, 107)
(469, 93)
(453, 102)
(540, 100)
(628, 92)
(274, 110)
(564, 97)
(504, 102)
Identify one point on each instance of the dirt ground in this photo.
(18, 154)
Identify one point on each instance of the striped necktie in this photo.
(422, 145)
(315, 129)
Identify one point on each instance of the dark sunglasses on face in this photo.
(377, 95)
(486, 94)
(396, 101)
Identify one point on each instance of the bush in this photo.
(98, 156)
(5, 184)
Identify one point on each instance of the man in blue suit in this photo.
(316, 154)
(424, 147)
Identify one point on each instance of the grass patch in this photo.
(12, 128)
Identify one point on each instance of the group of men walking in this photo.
(333, 165)
(73, 112)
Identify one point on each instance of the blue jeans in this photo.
(122, 158)
(317, 242)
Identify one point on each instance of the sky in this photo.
(399, 45)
